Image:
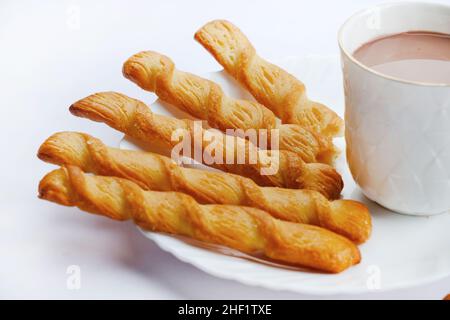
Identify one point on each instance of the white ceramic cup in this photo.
(397, 131)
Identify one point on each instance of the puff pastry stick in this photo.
(205, 100)
(156, 172)
(246, 229)
(135, 119)
(275, 88)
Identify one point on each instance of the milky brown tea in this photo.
(415, 56)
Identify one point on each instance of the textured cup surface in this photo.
(397, 131)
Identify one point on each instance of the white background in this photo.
(47, 62)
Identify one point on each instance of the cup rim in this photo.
(379, 74)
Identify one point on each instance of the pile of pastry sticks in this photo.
(293, 215)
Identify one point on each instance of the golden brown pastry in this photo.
(269, 84)
(245, 229)
(205, 100)
(155, 172)
(135, 119)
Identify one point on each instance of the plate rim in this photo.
(156, 237)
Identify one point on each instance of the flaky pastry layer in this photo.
(245, 229)
(156, 172)
(272, 86)
(206, 100)
(135, 119)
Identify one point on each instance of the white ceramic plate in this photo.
(403, 251)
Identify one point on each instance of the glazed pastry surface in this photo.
(272, 86)
(156, 172)
(205, 100)
(245, 229)
(135, 119)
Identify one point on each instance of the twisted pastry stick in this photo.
(205, 100)
(135, 119)
(155, 172)
(246, 229)
(278, 90)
